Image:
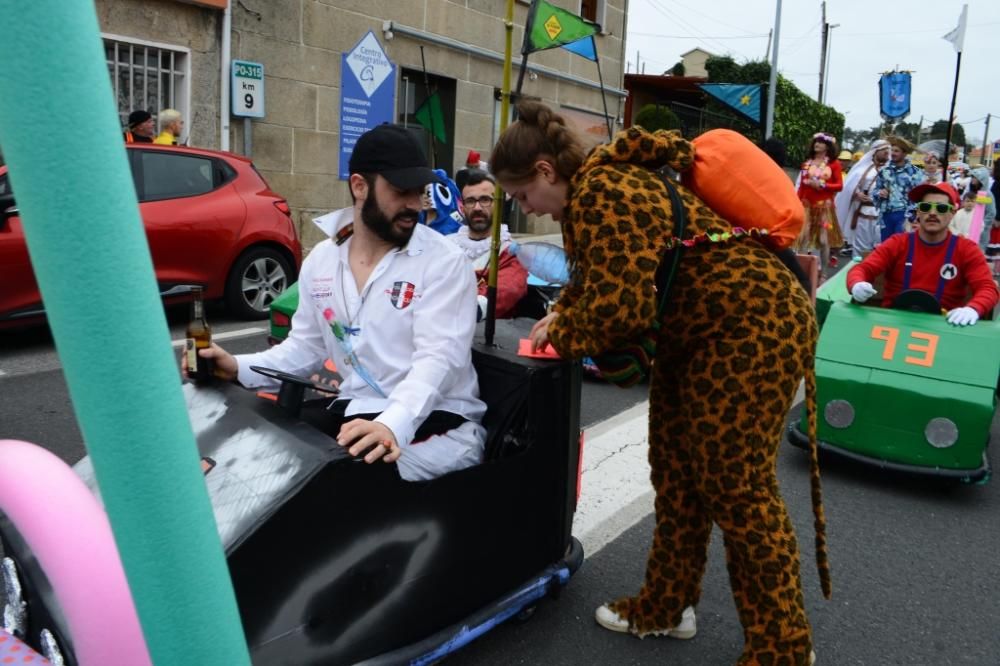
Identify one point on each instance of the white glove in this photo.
(481, 303)
(963, 316)
(862, 291)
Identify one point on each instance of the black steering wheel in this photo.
(916, 300)
(293, 388)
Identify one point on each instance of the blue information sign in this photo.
(367, 94)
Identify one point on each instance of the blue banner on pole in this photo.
(894, 95)
(367, 94)
(740, 97)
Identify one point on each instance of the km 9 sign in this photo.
(248, 89)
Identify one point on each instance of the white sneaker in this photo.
(609, 619)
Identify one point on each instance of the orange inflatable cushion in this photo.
(745, 186)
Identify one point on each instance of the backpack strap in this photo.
(667, 270)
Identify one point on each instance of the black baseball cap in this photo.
(394, 153)
(137, 117)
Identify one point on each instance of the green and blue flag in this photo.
(549, 27)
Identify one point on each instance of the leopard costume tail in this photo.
(819, 519)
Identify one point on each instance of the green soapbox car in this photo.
(900, 388)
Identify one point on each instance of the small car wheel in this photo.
(258, 277)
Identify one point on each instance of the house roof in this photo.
(695, 49)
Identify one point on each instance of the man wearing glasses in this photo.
(931, 259)
(474, 238)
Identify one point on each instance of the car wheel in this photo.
(259, 275)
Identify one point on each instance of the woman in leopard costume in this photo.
(737, 335)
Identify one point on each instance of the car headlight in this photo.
(941, 432)
(839, 413)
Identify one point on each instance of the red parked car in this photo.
(211, 221)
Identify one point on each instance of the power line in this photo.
(657, 34)
(698, 35)
(711, 18)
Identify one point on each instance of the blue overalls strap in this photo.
(911, 247)
(947, 260)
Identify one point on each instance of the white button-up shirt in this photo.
(415, 318)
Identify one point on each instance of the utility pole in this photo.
(822, 55)
(984, 158)
(829, 49)
(773, 79)
(767, 53)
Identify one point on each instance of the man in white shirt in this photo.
(393, 303)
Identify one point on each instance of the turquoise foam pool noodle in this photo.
(61, 139)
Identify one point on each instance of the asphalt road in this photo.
(916, 582)
(915, 565)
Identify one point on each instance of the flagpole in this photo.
(427, 93)
(529, 24)
(772, 82)
(604, 100)
(951, 114)
(491, 288)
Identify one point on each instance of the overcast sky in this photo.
(873, 36)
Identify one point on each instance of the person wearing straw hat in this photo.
(893, 185)
(846, 159)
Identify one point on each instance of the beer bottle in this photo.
(199, 336)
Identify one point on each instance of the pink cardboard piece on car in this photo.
(524, 349)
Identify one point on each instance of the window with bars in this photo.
(145, 77)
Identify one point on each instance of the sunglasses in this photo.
(484, 201)
(938, 207)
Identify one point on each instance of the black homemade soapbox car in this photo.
(335, 561)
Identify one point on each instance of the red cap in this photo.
(473, 158)
(918, 192)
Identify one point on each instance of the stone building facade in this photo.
(170, 53)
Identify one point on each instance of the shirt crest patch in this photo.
(402, 294)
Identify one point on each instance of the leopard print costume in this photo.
(736, 337)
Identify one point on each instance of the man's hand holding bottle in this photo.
(223, 363)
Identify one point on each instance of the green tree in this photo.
(908, 131)
(678, 69)
(939, 130)
(656, 117)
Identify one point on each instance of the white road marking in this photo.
(615, 491)
(614, 485)
(238, 333)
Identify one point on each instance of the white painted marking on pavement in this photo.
(238, 333)
(615, 491)
(615, 478)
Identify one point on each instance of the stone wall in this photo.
(184, 25)
(299, 42)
